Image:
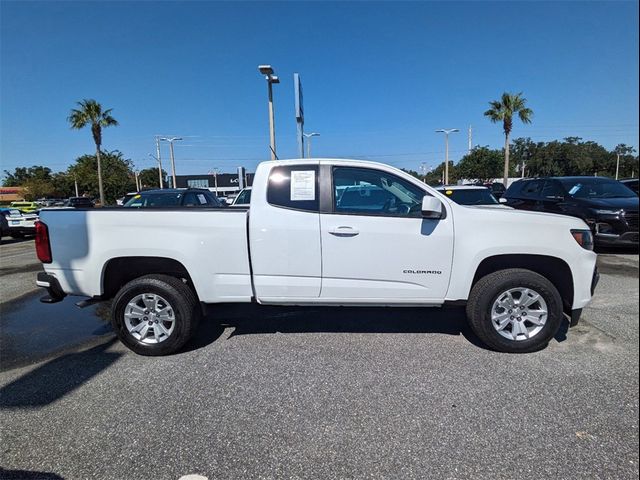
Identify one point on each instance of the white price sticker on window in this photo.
(303, 185)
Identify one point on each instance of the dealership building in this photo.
(223, 184)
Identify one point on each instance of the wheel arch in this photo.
(120, 270)
(556, 270)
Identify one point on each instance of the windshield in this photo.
(476, 196)
(243, 198)
(595, 188)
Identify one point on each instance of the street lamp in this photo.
(308, 137)
(173, 163)
(157, 159)
(267, 71)
(446, 154)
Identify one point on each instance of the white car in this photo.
(20, 224)
(323, 232)
(471, 196)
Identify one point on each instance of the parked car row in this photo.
(609, 207)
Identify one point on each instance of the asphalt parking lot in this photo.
(321, 393)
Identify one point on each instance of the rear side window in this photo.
(294, 187)
(552, 189)
(532, 188)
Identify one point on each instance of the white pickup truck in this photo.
(323, 232)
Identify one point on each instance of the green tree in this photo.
(149, 178)
(435, 176)
(504, 110)
(22, 174)
(481, 163)
(117, 180)
(35, 188)
(91, 113)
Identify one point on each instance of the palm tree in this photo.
(503, 111)
(91, 113)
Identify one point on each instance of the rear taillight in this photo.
(43, 246)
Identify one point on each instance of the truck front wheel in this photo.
(515, 310)
(155, 314)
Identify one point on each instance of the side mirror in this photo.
(502, 200)
(431, 207)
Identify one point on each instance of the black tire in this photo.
(183, 301)
(486, 291)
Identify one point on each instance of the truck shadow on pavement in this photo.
(27, 475)
(256, 319)
(56, 378)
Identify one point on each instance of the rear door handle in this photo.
(344, 232)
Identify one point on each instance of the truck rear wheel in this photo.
(515, 310)
(155, 314)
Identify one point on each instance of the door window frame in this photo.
(332, 193)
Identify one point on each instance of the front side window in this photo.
(294, 187)
(366, 191)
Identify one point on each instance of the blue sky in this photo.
(378, 78)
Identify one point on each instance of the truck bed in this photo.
(210, 243)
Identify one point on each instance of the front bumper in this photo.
(611, 239)
(54, 290)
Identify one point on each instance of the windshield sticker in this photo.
(303, 185)
(201, 199)
(449, 192)
(575, 189)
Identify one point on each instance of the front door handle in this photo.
(344, 232)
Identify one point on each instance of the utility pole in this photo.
(214, 172)
(617, 165)
(470, 134)
(173, 163)
(137, 180)
(159, 160)
(75, 182)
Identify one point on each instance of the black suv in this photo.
(174, 197)
(79, 202)
(609, 208)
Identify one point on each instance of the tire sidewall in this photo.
(541, 339)
(181, 313)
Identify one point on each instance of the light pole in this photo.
(446, 150)
(267, 71)
(173, 163)
(308, 137)
(617, 164)
(157, 159)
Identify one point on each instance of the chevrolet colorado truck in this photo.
(322, 232)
